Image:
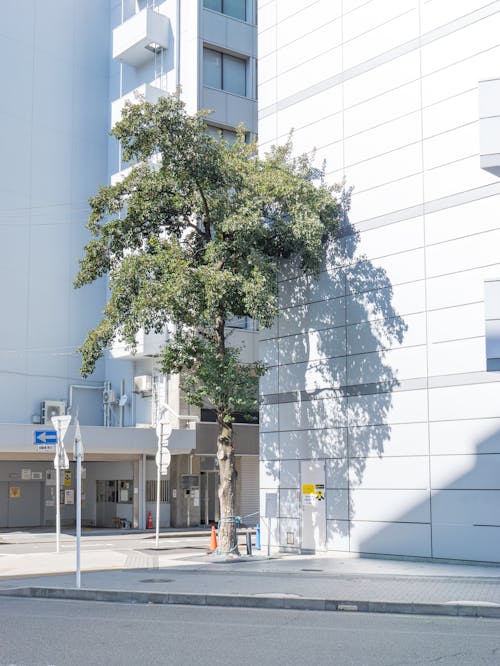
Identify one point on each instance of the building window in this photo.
(223, 71)
(234, 8)
(492, 323)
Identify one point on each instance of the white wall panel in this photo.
(269, 381)
(386, 168)
(465, 437)
(458, 288)
(319, 443)
(318, 133)
(269, 476)
(400, 194)
(314, 43)
(310, 72)
(450, 146)
(376, 335)
(393, 104)
(316, 316)
(268, 352)
(454, 222)
(447, 358)
(398, 407)
(451, 113)
(312, 375)
(268, 418)
(399, 472)
(337, 504)
(393, 238)
(289, 503)
(461, 44)
(289, 474)
(314, 107)
(464, 472)
(407, 505)
(337, 476)
(460, 77)
(459, 176)
(382, 38)
(390, 365)
(312, 345)
(439, 12)
(465, 507)
(391, 135)
(471, 401)
(466, 542)
(267, 15)
(309, 288)
(373, 14)
(294, 15)
(387, 271)
(463, 253)
(399, 439)
(466, 321)
(328, 413)
(269, 445)
(337, 535)
(391, 538)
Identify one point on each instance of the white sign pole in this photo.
(163, 432)
(57, 464)
(61, 424)
(78, 455)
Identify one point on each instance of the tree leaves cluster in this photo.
(192, 236)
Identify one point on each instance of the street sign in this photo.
(163, 430)
(44, 438)
(61, 424)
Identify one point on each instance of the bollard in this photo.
(249, 542)
(257, 537)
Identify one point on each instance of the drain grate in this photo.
(157, 580)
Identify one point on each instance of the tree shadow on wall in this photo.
(329, 387)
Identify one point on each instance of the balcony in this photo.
(148, 344)
(137, 40)
(144, 93)
(489, 125)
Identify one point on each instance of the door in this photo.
(209, 504)
(313, 505)
(25, 504)
(106, 503)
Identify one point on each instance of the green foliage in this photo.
(193, 236)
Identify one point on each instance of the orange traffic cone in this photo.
(149, 524)
(213, 539)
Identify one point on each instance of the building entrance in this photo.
(209, 502)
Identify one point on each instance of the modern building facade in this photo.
(380, 423)
(64, 95)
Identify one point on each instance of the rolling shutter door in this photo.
(248, 469)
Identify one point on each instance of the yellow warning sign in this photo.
(308, 489)
(67, 478)
(14, 492)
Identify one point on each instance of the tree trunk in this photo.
(228, 538)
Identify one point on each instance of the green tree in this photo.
(192, 236)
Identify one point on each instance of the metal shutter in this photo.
(248, 470)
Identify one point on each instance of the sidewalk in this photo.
(173, 574)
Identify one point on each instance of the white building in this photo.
(384, 387)
(62, 95)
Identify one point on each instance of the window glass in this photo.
(233, 75)
(235, 8)
(212, 68)
(216, 5)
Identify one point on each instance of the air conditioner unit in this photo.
(109, 397)
(52, 408)
(143, 384)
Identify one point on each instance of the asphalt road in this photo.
(39, 632)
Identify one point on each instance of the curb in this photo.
(248, 601)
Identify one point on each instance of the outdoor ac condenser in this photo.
(52, 408)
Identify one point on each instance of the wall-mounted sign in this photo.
(69, 496)
(14, 492)
(26, 474)
(67, 478)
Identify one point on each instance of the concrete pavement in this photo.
(176, 573)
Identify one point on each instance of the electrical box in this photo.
(143, 384)
(50, 408)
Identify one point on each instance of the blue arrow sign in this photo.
(45, 437)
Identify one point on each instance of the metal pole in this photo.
(269, 538)
(158, 483)
(78, 516)
(58, 488)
